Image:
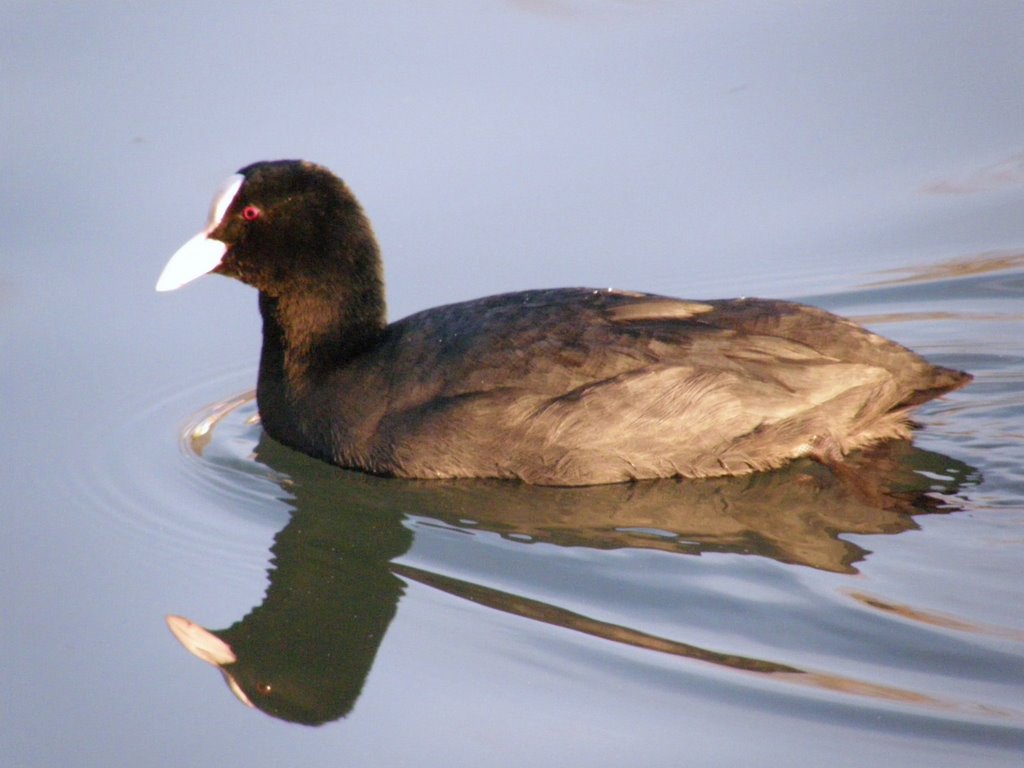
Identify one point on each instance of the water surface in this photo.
(865, 159)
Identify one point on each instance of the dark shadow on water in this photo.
(303, 655)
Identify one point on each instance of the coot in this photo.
(569, 386)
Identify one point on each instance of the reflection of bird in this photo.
(555, 387)
(304, 654)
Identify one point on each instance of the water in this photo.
(864, 159)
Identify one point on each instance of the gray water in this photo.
(865, 157)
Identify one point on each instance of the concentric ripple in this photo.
(622, 597)
(915, 634)
(168, 500)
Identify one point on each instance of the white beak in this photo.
(194, 259)
(202, 253)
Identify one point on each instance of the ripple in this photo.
(932, 619)
(219, 444)
(782, 673)
(765, 625)
(985, 263)
(145, 490)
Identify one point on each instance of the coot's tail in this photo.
(942, 380)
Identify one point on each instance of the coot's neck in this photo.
(320, 310)
(310, 332)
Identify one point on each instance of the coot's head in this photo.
(285, 225)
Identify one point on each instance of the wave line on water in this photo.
(561, 617)
(934, 619)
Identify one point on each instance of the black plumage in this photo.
(568, 386)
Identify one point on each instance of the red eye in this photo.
(251, 213)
